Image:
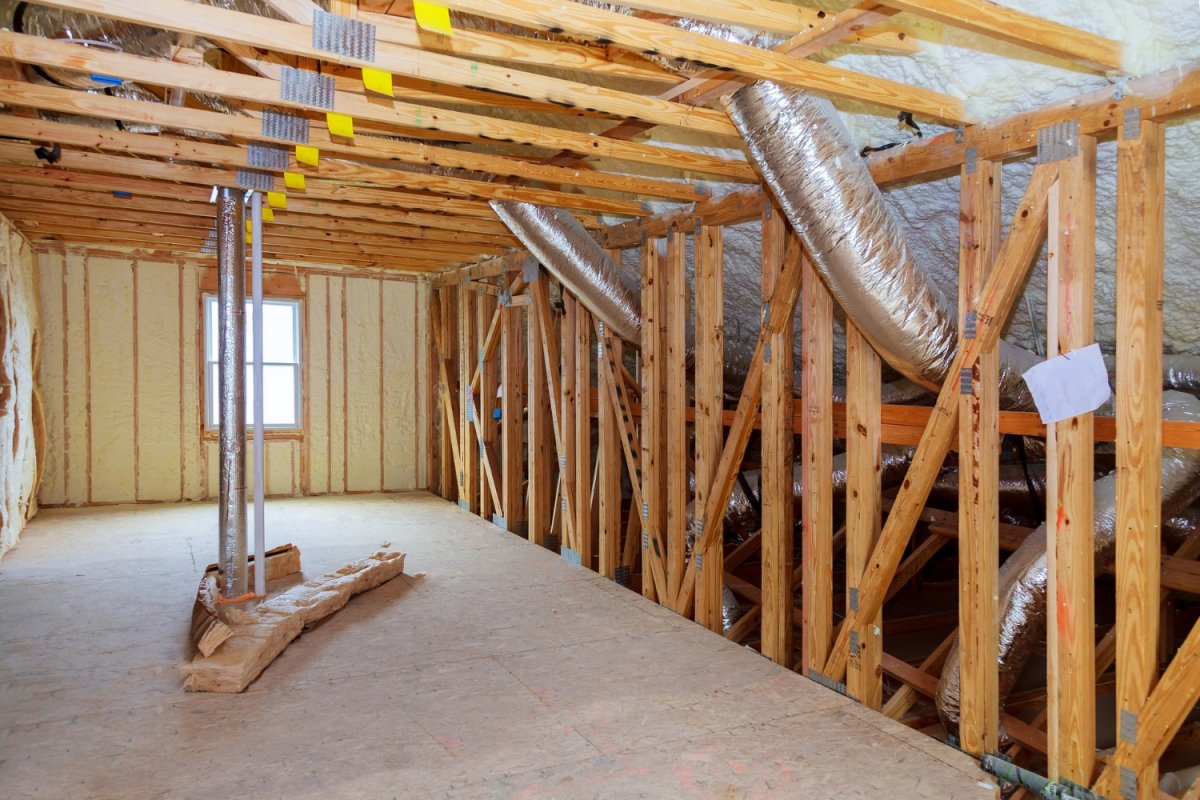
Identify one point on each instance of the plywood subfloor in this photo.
(503, 673)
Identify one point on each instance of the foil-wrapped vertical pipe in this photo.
(231, 358)
(804, 154)
(563, 246)
(1023, 576)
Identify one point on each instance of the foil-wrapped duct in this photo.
(804, 154)
(231, 324)
(1023, 576)
(563, 246)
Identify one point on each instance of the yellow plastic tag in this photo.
(432, 17)
(277, 199)
(377, 80)
(249, 225)
(249, 239)
(340, 124)
(268, 215)
(308, 155)
(293, 180)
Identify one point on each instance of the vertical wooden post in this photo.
(1140, 176)
(675, 419)
(468, 441)
(816, 435)
(582, 433)
(566, 416)
(610, 459)
(864, 499)
(512, 410)
(432, 392)
(1071, 642)
(653, 450)
(710, 366)
(775, 487)
(449, 480)
(541, 486)
(485, 401)
(978, 464)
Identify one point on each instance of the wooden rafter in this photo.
(51, 98)
(647, 36)
(297, 39)
(409, 117)
(331, 171)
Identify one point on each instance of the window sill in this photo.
(270, 435)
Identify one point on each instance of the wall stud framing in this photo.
(979, 454)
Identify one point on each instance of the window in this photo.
(281, 363)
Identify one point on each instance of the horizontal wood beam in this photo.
(652, 37)
(393, 113)
(1015, 27)
(446, 191)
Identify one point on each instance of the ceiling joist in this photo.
(655, 38)
(254, 89)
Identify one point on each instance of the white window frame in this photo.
(212, 415)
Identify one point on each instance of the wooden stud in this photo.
(582, 434)
(468, 495)
(816, 435)
(609, 460)
(864, 676)
(1140, 200)
(996, 302)
(775, 487)
(709, 434)
(567, 465)
(512, 406)
(485, 399)
(653, 511)
(1070, 451)
(443, 329)
(538, 443)
(978, 463)
(783, 301)
(675, 384)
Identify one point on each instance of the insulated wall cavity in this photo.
(124, 377)
(21, 422)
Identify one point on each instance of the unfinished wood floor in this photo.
(503, 673)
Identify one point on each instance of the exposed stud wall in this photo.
(19, 419)
(124, 382)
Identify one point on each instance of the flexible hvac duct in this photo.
(1023, 575)
(563, 246)
(829, 197)
(231, 323)
(855, 242)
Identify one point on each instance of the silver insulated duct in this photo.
(231, 355)
(800, 146)
(831, 201)
(563, 246)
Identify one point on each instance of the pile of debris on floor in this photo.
(236, 642)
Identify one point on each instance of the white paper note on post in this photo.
(1071, 384)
